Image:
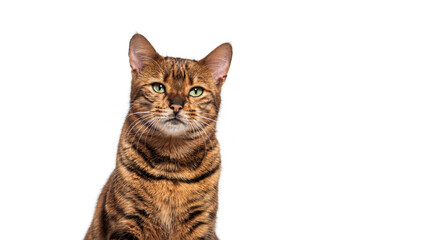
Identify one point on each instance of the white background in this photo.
(333, 122)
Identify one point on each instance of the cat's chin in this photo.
(174, 127)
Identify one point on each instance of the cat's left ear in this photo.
(218, 62)
(141, 53)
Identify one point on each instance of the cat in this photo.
(165, 183)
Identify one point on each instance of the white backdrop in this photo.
(333, 122)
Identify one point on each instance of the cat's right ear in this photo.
(141, 53)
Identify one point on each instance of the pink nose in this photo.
(176, 107)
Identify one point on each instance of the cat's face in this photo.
(177, 98)
(174, 96)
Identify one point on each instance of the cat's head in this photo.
(175, 96)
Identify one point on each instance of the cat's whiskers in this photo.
(206, 124)
(197, 132)
(152, 125)
(187, 120)
(211, 114)
(149, 126)
(137, 113)
(202, 136)
(211, 144)
(191, 124)
(156, 124)
(134, 123)
(202, 127)
(197, 113)
(185, 129)
(206, 118)
(145, 123)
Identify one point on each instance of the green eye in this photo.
(196, 91)
(158, 87)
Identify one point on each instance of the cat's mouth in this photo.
(174, 126)
(174, 121)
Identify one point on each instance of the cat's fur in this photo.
(165, 184)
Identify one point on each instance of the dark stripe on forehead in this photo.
(190, 79)
(166, 74)
(180, 63)
(178, 79)
(178, 74)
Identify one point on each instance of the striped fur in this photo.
(165, 184)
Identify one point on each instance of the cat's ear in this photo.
(218, 62)
(141, 52)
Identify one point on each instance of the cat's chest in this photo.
(170, 200)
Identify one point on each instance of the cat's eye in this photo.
(158, 87)
(196, 91)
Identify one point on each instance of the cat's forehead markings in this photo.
(177, 72)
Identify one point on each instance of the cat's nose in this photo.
(176, 103)
(176, 107)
